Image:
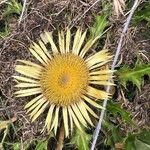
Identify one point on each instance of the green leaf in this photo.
(139, 141)
(112, 130)
(130, 142)
(16, 146)
(5, 31)
(113, 134)
(115, 109)
(141, 145)
(41, 145)
(142, 14)
(134, 75)
(13, 7)
(98, 28)
(116, 134)
(81, 139)
(144, 136)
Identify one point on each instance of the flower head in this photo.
(65, 81)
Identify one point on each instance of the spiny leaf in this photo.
(143, 14)
(81, 139)
(13, 7)
(114, 109)
(113, 132)
(98, 28)
(134, 75)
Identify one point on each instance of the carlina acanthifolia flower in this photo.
(65, 80)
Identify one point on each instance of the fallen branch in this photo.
(126, 25)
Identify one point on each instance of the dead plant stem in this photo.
(60, 143)
(23, 10)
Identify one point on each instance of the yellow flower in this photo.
(65, 81)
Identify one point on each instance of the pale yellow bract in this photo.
(64, 81)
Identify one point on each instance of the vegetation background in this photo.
(126, 125)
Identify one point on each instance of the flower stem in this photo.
(61, 137)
